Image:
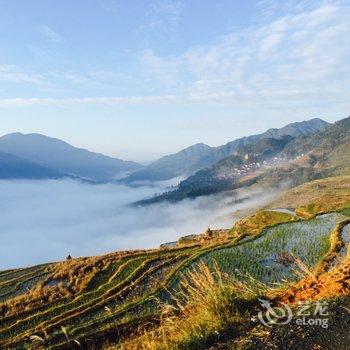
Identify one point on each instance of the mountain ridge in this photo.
(183, 163)
(172, 165)
(59, 155)
(13, 167)
(301, 159)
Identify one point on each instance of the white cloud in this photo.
(270, 43)
(50, 34)
(14, 74)
(295, 57)
(298, 59)
(171, 9)
(165, 14)
(57, 218)
(98, 79)
(106, 101)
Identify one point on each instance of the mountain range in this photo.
(270, 162)
(294, 249)
(13, 167)
(47, 157)
(199, 156)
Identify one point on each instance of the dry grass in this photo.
(303, 270)
(256, 223)
(35, 297)
(68, 278)
(208, 305)
(315, 197)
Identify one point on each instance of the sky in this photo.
(140, 79)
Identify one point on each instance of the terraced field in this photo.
(269, 257)
(93, 299)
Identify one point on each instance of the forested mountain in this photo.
(199, 156)
(270, 162)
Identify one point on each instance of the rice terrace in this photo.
(87, 302)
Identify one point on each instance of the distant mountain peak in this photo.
(60, 156)
(318, 119)
(13, 167)
(12, 134)
(295, 129)
(200, 144)
(318, 150)
(34, 137)
(195, 147)
(199, 156)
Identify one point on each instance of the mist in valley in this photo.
(44, 221)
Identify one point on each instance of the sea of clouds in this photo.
(44, 221)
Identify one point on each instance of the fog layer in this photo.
(45, 221)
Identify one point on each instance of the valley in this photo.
(286, 205)
(108, 299)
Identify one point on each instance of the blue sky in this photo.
(139, 79)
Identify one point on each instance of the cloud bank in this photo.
(45, 221)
